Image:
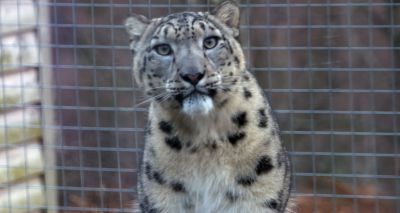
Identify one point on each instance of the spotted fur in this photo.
(212, 144)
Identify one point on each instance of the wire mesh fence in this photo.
(330, 68)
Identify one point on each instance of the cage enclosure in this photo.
(72, 129)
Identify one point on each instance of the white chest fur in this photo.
(208, 192)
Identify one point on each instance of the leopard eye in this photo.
(210, 42)
(163, 49)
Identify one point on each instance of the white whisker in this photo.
(149, 99)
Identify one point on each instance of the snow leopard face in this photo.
(188, 60)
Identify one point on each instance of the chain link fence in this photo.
(330, 68)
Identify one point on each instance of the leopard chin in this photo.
(197, 104)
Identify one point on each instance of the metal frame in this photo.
(98, 136)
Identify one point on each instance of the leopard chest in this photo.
(208, 179)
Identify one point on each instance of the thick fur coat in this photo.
(212, 144)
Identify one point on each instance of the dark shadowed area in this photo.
(330, 68)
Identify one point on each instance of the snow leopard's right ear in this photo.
(135, 25)
(228, 12)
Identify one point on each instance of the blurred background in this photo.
(72, 132)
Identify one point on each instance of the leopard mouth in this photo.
(196, 102)
(194, 92)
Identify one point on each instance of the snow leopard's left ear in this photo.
(135, 25)
(228, 13)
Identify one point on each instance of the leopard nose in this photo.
(192, 78)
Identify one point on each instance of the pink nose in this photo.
(192, 78)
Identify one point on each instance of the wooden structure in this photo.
(27, 175)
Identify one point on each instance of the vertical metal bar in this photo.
(135, 123)
(394, 99)
(331, 116)
(96, 97)
(288, 47)
(372, 97)
(19, 66)
(269, 44)
(149, 9)
(349, 33)
(311, 88)
(248, 34)
(48, 116)
(77, 95)
(4, 122)
(115, 104)
(57, 100)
